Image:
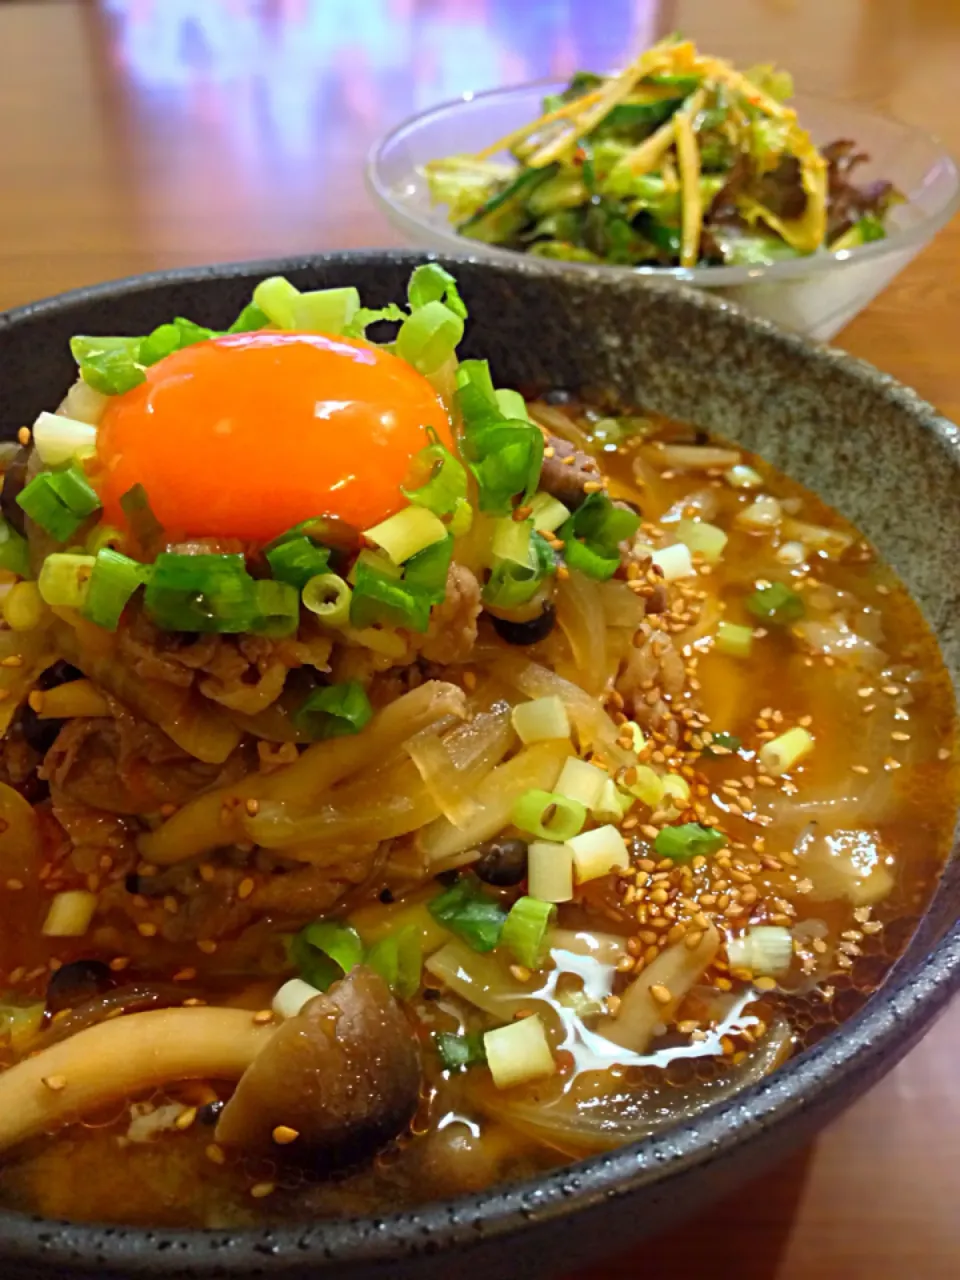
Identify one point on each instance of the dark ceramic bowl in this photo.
(865, 444)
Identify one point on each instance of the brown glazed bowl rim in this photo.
(816, 1082)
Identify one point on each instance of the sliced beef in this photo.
(123, 766)
(453, 624)
(343, 1075)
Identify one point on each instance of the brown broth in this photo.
(885, 759)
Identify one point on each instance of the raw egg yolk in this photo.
(248, 434)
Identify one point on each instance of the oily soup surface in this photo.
(871, 806)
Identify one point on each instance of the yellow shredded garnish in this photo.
(691, 211)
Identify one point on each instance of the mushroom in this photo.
(121, 1057)
(335, 1083)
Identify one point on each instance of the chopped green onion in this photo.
(512, 404)
(457, 1053)
(70, 914)
(525, 930)
(466, 910)
(335, 711)
(297, 560)
(612, 805)
(250, 320)
(779, 755)
(326, 310)
(674, 562)
(381, 597)
(277, 609)
(740, 476)
(59, 439)
(776, 604)
(167, 338)
(409, 531)
(443, 480)
(425, 574)
(398, 958)
(325, 951)
(64, 579)
(548, 513)
(207, 593)
(103, 537)
(277, 298)
(519, 1052)
(429, 337)
(328, 596)
(504, 454)
(513, 583)
(542, 720)
(550, 871)
(511, 540)
(690, 840)
(733, 640)
(14, 552)
(462, 518)
(676, 792)
(647, 786)
(581, 781)
(703, 538)
(366, 316)
(593, 534)
(598, 852)
(548, 815)
(113, 580)
(59, 501)
(433, 283)
(722, 744)
(766, 950)
(109, 365)
(375, 562)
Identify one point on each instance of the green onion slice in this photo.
(207, 593)
(504, 454)
(109, 365)
(59, 501)
(429, 337)
(335, 711)
(277, 609)
(433, 283)
(525, 930)
(473, 915)
(438, 480)
(593, 534)
(690, 840)
(398, 958)
(14, 552)
(325, 951)
(250, 320)
(114, 579)
(328, 596)
(296, 560)
(776, 604)
(65, 578)
(549, 816)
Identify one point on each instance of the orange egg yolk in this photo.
(248, 434)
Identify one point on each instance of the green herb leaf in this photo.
(457, 1053)
(466, 910)
(776, 604)
(688, 841)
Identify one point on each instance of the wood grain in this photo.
(137, 134)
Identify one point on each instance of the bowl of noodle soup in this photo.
(501, 805)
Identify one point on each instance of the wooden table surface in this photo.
(137, 134)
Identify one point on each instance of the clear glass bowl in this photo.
(814, 296)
